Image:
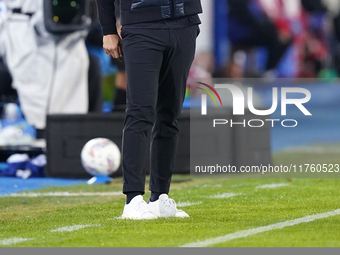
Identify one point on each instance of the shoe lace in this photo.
(170, 203)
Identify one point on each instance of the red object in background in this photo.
(311, 46)
(282, 23)
(276, 11)
(313, 49)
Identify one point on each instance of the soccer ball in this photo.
(100, 157)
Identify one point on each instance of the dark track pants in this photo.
(157, 66)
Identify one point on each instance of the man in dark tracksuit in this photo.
(159, 39)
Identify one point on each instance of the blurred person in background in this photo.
(336, 12)
(250, 26)
(119, 100)
(316, 49)
(7, 93)
(49, 70)
(94, 43)
(333, 12)
(94, 39)
(334, 7)
(5, 77)
(5, 82)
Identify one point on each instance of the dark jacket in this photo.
(137, 11)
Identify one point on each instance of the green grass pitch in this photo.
(34, 218)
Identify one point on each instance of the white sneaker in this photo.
(165, 207)
(137, 209)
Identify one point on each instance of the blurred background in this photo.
(52, 62)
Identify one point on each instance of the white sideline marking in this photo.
(225, 195)
(15, 240)
(185, 204)
(272, 185)
(65, 194)
(208, 186)
(73, 228)
(254, 231)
